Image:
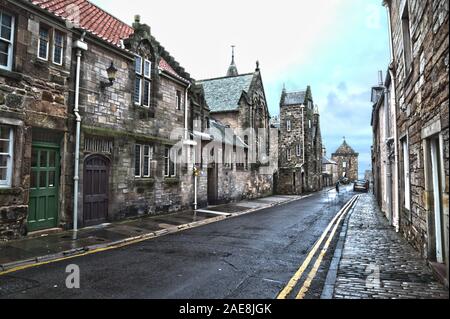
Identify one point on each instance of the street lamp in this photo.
(111, 72)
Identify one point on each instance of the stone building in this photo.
(238, 102)
(347, 161)
(385, 174)
(419, 131)
(329, 170)
(36, 143)
(135, 105)
(300, 144)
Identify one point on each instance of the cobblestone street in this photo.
(378, 263)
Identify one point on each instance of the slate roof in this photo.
(92, 19)
(345, 149)
(295, 98)
(223, 94)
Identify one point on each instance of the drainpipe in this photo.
(186, 130)
(303, 148)
(80, 45)
(187, 143)
(396, 163)
(396, 208)
(388, 141)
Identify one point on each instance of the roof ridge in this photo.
(226, 77)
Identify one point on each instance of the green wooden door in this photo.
(43, 207)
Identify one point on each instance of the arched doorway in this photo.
(95, 189)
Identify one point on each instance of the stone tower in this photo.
(347, 160)
(300, 144)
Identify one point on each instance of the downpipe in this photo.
(188, 145)
(81, 46)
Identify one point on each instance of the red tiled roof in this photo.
(164, 66)
(95, 21)
(91, 18)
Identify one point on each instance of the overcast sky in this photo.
(336, 46)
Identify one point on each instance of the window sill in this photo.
(172, 180)
(11, 75)
(144, 180)
(144, 112)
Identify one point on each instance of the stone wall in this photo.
(307, 171)
(352, 165)
(110, 114)
(422, 102)
(33, 97)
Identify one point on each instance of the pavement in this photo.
(376, 262)
(252, 255)
(51, 246)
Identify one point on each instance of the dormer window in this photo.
(6, 40)
(143, 69)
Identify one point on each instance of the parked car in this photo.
(361, 186)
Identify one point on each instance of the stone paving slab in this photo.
(377, 263)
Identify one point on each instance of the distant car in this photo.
(344, 181)
(361, 186)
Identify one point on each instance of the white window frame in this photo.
(140, 91)
(140, 160)
(405, 12)
(288, 125)
(344, 164)
(143, 161)
(10, 43)
(299, 150)
(147, 162)
(167, 160)
(406, 173)
(143, 77)
(54, 46)
(39, 42)
(6, 183)
(140, 65)
(288, 155)
(143, 81)
(148, 76)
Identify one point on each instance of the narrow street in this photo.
(251, 256)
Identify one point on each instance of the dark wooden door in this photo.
(95, 189)
(212, 184)
(43, 207)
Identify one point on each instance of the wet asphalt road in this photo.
(251, 256)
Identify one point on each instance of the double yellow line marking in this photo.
(294, 280)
